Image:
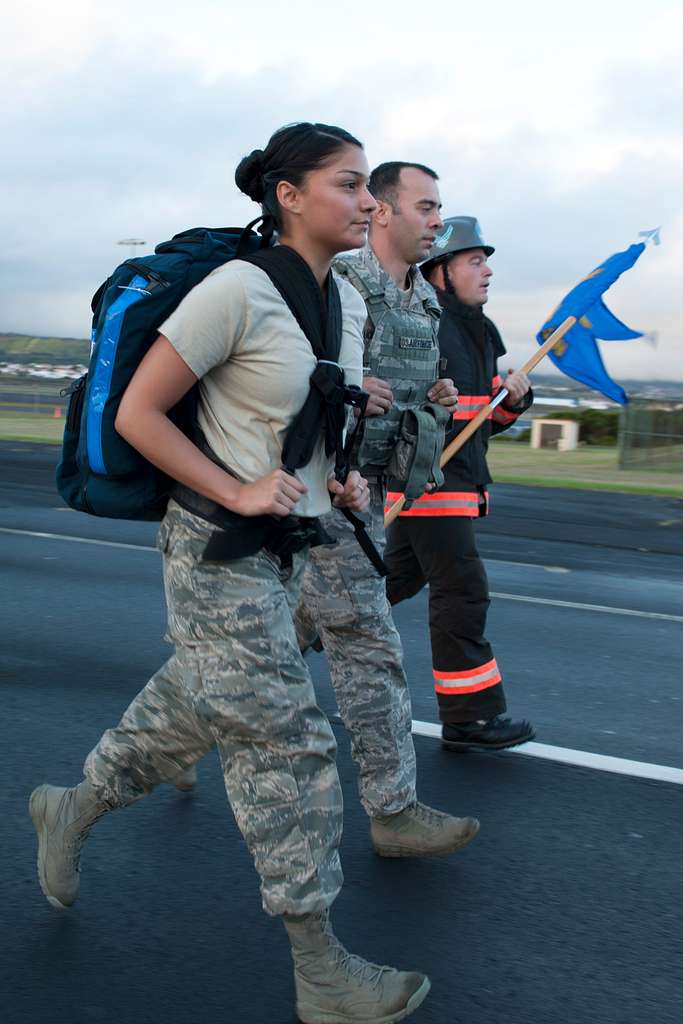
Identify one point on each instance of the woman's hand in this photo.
(272, 495)
(354, 494)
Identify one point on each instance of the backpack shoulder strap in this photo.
(327, 389)
(291, 281)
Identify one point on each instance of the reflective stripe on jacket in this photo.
(444, 503)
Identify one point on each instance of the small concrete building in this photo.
(562, 435)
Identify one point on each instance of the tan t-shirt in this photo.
(236, 333)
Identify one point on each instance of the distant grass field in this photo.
(585, 468)
(27, 427)
(32, 409)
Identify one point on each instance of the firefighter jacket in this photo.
(470, 348)
(400, 346)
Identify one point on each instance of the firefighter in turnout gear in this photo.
(433, 541)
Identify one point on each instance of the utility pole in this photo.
(132, 243)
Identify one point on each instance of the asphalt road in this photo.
(565, 909)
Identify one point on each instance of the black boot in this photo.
(495, 734)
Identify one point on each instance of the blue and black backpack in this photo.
(100, 473)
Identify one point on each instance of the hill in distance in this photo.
(21, 348)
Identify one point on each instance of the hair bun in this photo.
(249, 176)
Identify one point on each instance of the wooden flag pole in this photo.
(474, 424)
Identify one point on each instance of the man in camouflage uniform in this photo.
(343, 599)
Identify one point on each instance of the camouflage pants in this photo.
(343, 600)
(237, 681)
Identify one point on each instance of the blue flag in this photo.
(577, 354)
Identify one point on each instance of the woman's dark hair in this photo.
(291, 153)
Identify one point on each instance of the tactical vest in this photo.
(401, 347)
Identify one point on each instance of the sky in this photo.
(558, 126)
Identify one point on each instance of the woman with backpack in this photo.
(234, 546)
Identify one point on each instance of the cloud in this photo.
(115, 151)
(129, 121)
(647, 102)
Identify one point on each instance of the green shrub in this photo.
(596, 426)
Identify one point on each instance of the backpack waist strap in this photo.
(241, 536)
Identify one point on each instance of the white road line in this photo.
(527, 565)
(563, 755)
(78, 540)
(579, 758)
(608, 609)
(588, 607)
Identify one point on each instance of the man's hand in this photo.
(354, 494)
(381, 397)
(517, 384)
(272, 495)
(444, 393)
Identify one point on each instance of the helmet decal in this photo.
(441, 241)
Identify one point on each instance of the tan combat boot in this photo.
(63, 819)
(420, 831)
(335, 987)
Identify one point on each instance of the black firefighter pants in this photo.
(442, 551)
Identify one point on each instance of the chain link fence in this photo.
(651, 436)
